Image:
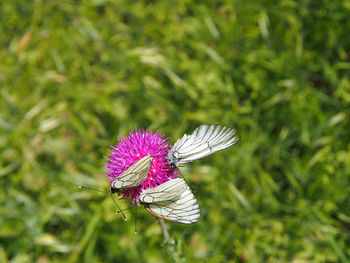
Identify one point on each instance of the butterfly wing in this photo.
(205, 140)
(167, 191)
(180, 208)
(134, 175)
(184, 210)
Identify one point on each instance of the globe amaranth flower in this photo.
(130, 149)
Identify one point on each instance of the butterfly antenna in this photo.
(89, 188)
(120, 211)
(124, 210)
(136, 221)
(183, 177)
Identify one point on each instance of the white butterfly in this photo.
(205, 140)
(133, 176)
(173, 201)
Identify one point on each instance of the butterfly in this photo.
(172, 201)
(205, 140)
(133, 176)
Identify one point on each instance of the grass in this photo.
(76, 74)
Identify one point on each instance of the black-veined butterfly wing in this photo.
(177, 205)
(205, 140)
(133, 176)
(167, 191)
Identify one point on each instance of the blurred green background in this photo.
(76, 74)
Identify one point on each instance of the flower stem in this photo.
(164, 229)
(170, 246)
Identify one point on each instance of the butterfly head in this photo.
(114, 190)
(172, 160)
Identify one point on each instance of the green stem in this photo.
(170, 246)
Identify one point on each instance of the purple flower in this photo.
(132, 148)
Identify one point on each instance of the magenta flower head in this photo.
(135, 146)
